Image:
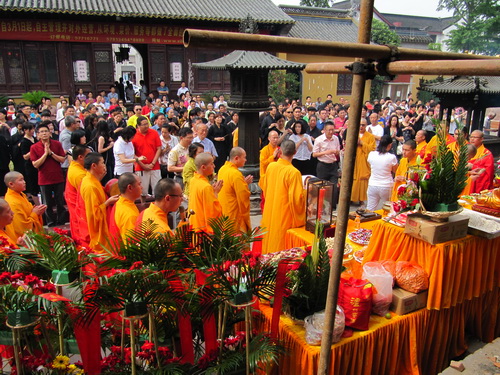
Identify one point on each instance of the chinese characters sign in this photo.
(69, 31)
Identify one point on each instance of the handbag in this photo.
(399, 149)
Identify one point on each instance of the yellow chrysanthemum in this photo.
(71, 368)
(61, 362)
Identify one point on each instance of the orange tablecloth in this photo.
(458, 270)
(422, 342)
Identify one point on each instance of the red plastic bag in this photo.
(355, 297)
(411, 277)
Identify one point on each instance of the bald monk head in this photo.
(79, 153)
(409, 149)
(168, 195)
(477, 138)
(15, 181)
(273, 138)
(471, 151)
(288, 149)
(6, 214)
(94, 163)
(238, 156)
(130, 186)
(204, 163)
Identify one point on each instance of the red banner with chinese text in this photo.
(91, 32)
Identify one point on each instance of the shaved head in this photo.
(288, 148)
(125, 180)
(11, 177)
(203, 159)
(236, 151)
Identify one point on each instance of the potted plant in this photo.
(54, 252)
(35, 97)
(308, 280)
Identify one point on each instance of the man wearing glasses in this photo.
(168, 198)
(47, 156)
(132, 120)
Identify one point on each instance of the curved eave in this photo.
(262, 67)
(138, 15)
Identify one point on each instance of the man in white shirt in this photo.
(183, 89)
(221, 101)
(327, 150)
(375, 128)
(201, 137)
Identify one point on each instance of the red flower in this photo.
(403, 204)
(414, 202)
(137, 265)
(147, 345)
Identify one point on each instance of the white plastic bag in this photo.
(314, 326)
(382, 281)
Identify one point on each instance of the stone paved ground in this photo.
(477, 360)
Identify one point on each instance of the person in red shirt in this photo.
(147, 107)
(147, 143)
(47, 156)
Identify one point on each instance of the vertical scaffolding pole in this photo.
(358, 87)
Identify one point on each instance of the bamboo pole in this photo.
(358, 84)
(271, 43)
(442, 67)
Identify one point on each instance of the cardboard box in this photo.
(404, 302)
(433, 232)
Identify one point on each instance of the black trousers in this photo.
(53, 197)
(330, 172)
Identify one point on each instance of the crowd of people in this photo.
(182, 154)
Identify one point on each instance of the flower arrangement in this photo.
(308, 280)
(408, 193)
(446, 175)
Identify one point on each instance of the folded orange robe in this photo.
(24, 217)
(157, 216)
(125, 214)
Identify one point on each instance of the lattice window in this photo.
(344, 84)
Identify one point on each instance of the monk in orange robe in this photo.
(26, 216)
(96, 201)
(362, 170)
(76, 207)
(421, 143)
(408, 160)
(203, 196)
(284, 195)
(168, 198)
(483, 164)
(124, 213)
(431, 148)
(234, 196)
(6, 217)
(269, 153)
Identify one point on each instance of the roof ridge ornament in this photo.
(249, 26)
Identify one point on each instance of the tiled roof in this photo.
(463, 85)
(249, 60)
(293, 10)
(345, 31)
(429, 24)
(416, 38)
(221, 10)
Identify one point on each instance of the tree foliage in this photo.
(315, 3)
(478, 26)
(283, 85)
(382, 34)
